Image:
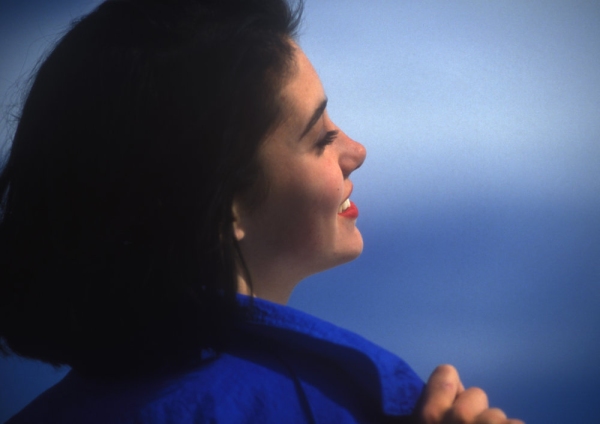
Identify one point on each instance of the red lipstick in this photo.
(351, 212)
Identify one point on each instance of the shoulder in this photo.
(282, 366)
(242, 385)
(231, 388)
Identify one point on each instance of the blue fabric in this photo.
(284, 367)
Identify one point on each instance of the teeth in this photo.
(344, 206)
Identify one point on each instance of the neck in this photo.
(274, 292)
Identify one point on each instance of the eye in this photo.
(327, 139)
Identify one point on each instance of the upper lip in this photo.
(349, 193)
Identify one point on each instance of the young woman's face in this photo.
(305, 224)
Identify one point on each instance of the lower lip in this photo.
(351, 212)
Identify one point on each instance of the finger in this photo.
(495, 416)
(467, 406)
(440, 393)
(491, 416)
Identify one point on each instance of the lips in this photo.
(345, 205)
(348, 209)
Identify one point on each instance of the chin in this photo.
(355, 254)
(349, 253)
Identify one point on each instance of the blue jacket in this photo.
(284, 367)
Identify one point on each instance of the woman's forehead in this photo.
(302, 94)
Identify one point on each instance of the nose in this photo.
(352, 156)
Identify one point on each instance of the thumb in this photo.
(442, 388)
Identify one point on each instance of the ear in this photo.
(238, 228)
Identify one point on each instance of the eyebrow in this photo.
(315, 117)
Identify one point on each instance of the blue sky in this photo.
(479, 197)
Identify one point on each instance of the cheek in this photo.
(304, 205)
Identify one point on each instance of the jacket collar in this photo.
(378, 371)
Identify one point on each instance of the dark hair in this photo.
(116, 242)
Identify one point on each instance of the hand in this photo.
(445, 401)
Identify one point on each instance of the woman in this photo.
(173, 176)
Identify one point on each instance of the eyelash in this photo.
(329, 138)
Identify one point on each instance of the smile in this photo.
(348, 209)
(344, 206)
